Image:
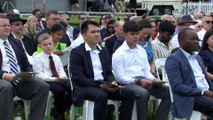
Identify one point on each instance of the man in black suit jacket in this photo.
(109, 44)
(27, 87)
(90, 66)
(76, 30)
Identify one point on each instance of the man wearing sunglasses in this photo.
(183, 22)
(207, 25)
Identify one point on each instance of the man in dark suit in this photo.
(76, 30)
(90, 66)
(109, 44)
(188, 79)
(13, 60)
(41, 24)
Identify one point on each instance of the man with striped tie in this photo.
(13, 60)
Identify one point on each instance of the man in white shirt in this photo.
(207, 25)
(131, 68)
(183, 22)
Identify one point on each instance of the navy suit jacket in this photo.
(109, 44)
(182, 81)
(82, 71)
(20, 55)
(76, 32)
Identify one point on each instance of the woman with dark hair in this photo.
(57, 32)
(109, 30)
(206, 52)
(103, 21)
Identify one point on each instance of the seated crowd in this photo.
(111, 60)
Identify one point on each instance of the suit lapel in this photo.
(88, 58)
(0, 59)
(200, 62)
(102, 59)
(188, 64)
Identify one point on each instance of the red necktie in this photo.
(52, 67)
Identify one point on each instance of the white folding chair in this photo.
(26, 106)
(50, 101)
(160, 65)
(88, 105)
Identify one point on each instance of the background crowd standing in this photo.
(112, 59)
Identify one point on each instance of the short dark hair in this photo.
(206, 37)
(111, 22)
(131, 26)
(57, 27)
(183, 33)
(51, 12)
(144, 24)
(85, 24)
(64, 24)
(36, 10)
(81, 14)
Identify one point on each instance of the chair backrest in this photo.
(160, 66)
(69, 74)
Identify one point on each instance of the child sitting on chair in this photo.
(49, 68)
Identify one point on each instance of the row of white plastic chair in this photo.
(89, 105)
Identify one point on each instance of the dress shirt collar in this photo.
(188, 55)
(126, 46)
(2, 41)
(16, 37)
(46, 55)
(88, 48)
(162, 44)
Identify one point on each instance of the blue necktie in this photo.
(12, 60)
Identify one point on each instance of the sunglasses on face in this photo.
(199, 26)
(208, 22)
(110, 26)
(82, 18)
(17, 24)
(173, 22)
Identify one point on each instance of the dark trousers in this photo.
(100, 98)
(142, 98)
(62, 95)
(205, 105)
(36, 91)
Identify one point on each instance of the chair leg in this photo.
(116, 104)
(49, 105)
(72, 112)
(196, 115)
(134, 112)
(26, 108)
(88, 110)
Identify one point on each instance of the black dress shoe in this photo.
(57, 115)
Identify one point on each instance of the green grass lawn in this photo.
(78, 113)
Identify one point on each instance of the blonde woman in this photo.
(30, 31)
